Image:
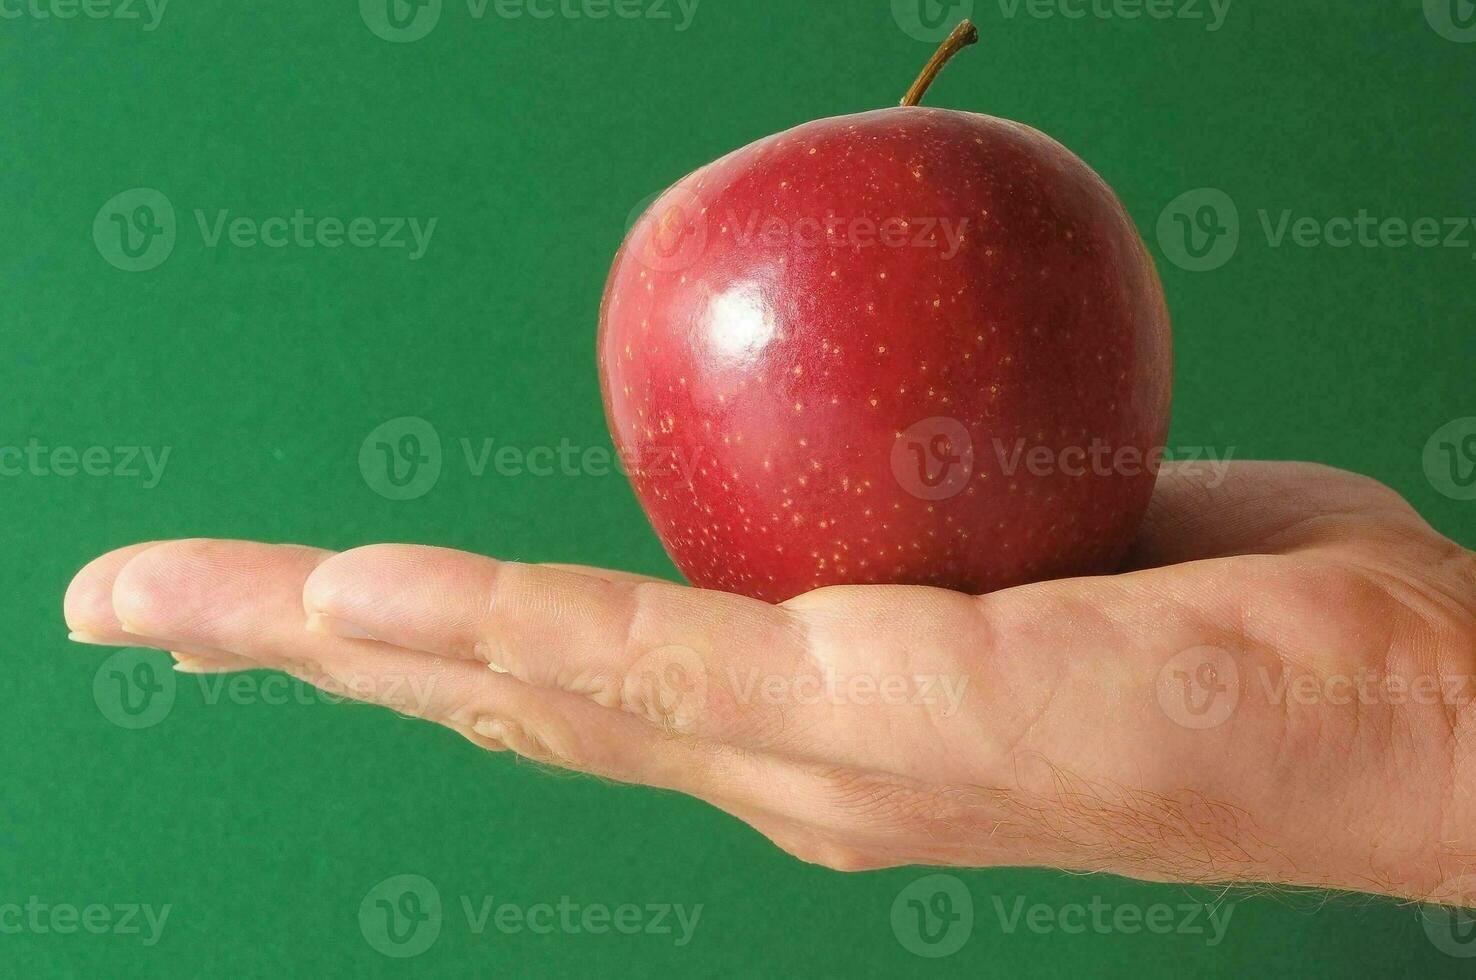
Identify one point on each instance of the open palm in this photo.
(1279, 689)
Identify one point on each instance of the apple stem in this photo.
(963, 35)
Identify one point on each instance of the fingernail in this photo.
(483, 652)
(333, 626)
(91, 639)
(492, 731)
(186, 664)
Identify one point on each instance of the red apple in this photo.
(909, 346)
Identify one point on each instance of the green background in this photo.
(263, 824)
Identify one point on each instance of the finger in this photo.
(800, 808)
(654, 649)
(247, 599)
(820, 805)
(864, 677)
(204, 594)
(550, 727)
(88, 609)
(88, 606)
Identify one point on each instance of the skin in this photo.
(1061, 752)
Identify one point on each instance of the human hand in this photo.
(1279, 691)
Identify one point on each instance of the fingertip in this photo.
(88, 604)
(324, 588)
(144, 592)
(182, 585)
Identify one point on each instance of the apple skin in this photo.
(800, 408)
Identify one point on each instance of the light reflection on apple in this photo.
(740, 323)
